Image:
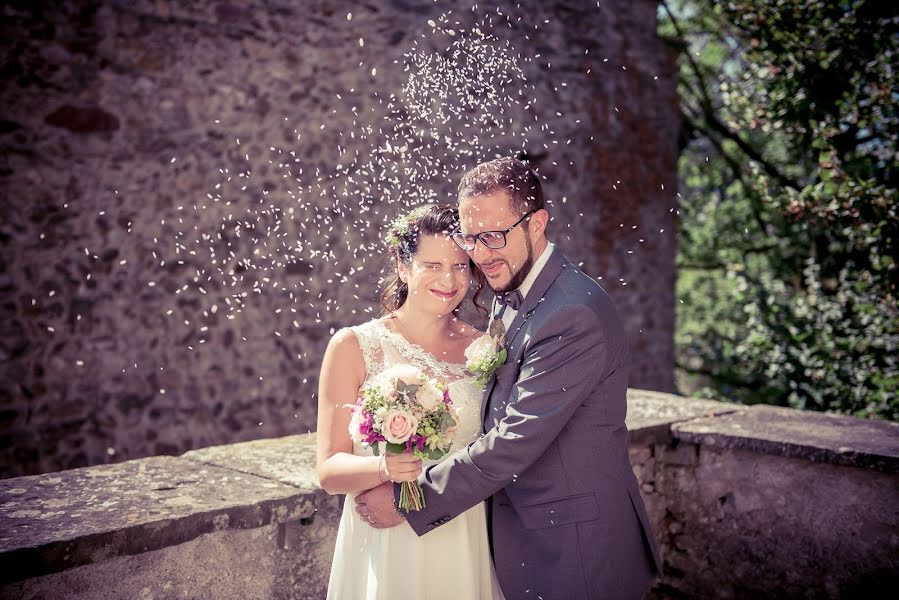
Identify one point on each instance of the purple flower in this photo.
(367, 430)
(374, 437)
(418, 440)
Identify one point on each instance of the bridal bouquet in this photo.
(402, 410)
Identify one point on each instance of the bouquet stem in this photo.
(411, 496)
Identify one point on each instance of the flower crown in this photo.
(401, 227)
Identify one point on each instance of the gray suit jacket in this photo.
(567, 519)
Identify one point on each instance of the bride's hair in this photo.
(402, 240)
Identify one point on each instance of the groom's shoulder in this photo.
(573, 286)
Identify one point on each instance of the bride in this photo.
(429, 277)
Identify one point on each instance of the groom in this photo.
(566, 516)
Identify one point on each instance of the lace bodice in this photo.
(382, 348)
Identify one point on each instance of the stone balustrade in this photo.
(745, 502)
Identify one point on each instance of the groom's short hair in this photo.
(508, 174)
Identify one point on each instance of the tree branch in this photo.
(749, 151)
(701, 266)
(711, 117)
(755, 201)
(714, 266)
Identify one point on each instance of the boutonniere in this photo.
(487, 353)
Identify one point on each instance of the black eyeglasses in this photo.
(491, 239)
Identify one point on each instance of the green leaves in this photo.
(446, 421)
(434, 453)
(407, 390)
(395, 448)
(790, 225)
(500, 358)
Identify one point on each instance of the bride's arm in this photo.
(343, 371)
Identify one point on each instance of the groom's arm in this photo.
(557, 373)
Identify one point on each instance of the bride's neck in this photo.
(420, 326)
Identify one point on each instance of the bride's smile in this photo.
(444, 295)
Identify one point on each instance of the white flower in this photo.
(480, 348)
(388, 389)
(480, 353)
(355, 423)
(406, 373)
(429, 396)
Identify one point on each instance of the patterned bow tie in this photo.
(511, 299)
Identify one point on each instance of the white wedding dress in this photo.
(451, 561)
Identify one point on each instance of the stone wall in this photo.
(132, 129)
(232, 522)
(745, 503)
(772, 502)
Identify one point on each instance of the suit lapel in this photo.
(554, 265)
(548, 274)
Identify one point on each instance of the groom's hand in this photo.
(376, 507)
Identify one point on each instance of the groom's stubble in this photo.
(521, 274)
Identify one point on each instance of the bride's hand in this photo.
(402, 467)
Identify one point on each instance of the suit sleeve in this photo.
(558, 372)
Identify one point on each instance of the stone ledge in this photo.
(53, 522)
(650, 415)
(289, 460)
(821, 437)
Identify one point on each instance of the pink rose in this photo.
(399, 426)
